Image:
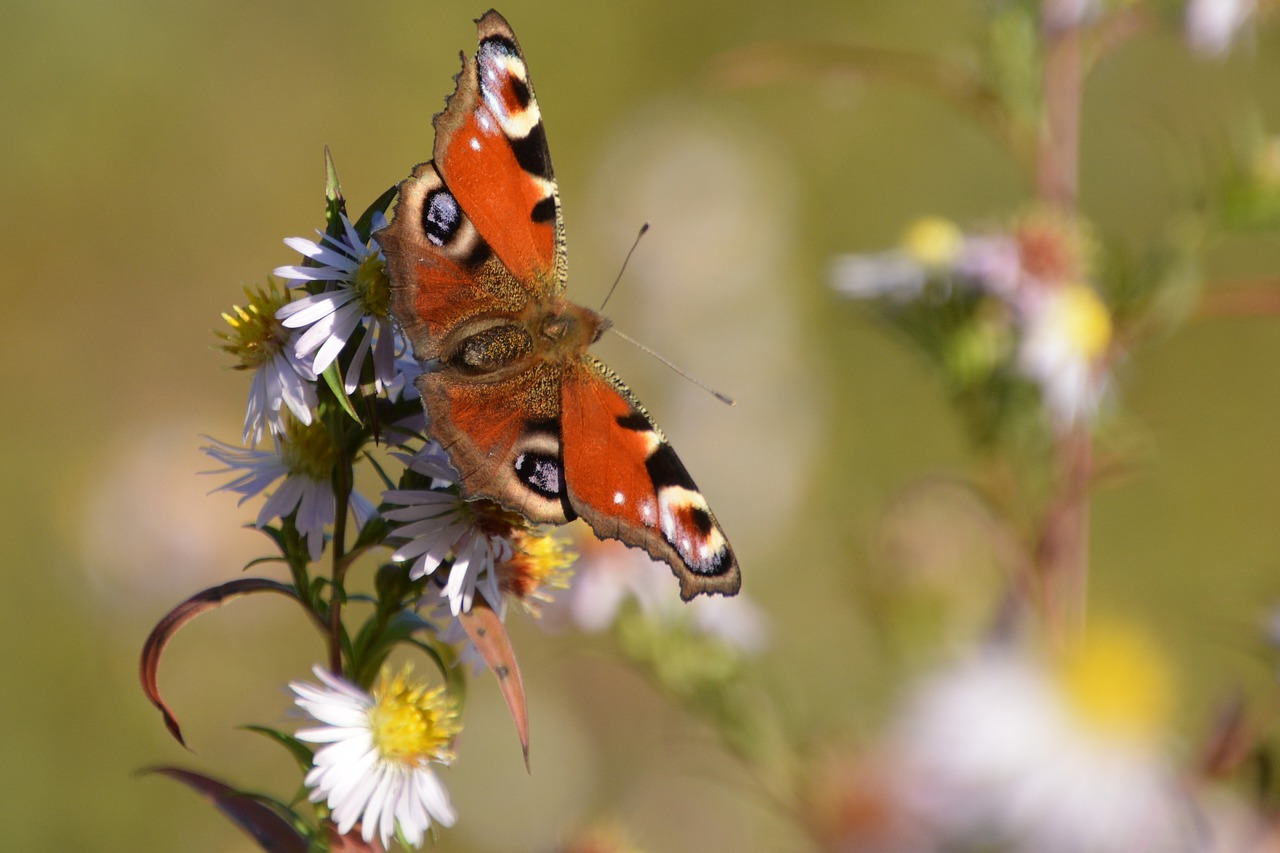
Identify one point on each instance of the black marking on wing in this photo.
(665, 469)
(531, 152)
(544, 210)
(480, 253)
(635, 422)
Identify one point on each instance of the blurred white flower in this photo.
(608, 574)
(375, 767)
(1065, 338)
(1212, 26)
(1008, 753)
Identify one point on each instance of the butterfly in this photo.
(476, 256)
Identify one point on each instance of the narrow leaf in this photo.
(301, 753)
(333, 379)
(164, 630)
(489, 636)
(271, 831)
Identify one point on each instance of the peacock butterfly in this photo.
(476, 256)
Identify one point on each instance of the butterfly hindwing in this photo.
(503, 437)
(491, 150)
(625, 480)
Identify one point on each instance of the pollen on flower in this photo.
(412, 723)
(1086, 320)
(372, 286)
(308, 450)
(256, 336)
(1118, 682)
(933, 241)
(540, 564)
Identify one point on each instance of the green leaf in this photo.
(301, 752)
(333, 379)
(335, 204)
(380, 205)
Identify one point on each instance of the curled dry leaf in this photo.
(164, 630)
(271, 831)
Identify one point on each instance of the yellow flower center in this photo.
(1118, 682)
(373, 286)
(411, 723)
(256, 335)
(1085, 320)
(933, 241)
(540, 564)
(308, 450)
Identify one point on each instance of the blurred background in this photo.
(154, 156)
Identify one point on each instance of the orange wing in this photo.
(628, 484)
(491, 150)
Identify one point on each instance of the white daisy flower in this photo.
(375, 767)
(407, 369)
(304, 457)
(358, 297)
(539, 567)
(1066, 331)
(437, 524)
(1007, 754)
(280, 378)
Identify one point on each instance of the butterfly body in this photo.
(475, 252)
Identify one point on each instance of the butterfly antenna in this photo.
(625, 261)
(723, 398)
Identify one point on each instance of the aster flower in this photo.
(537, 569)
(930, 245)
(263, 345)
(304, 456)
(1006, 752)
(436, 524)
(375, 767)
(1066, 335)
(358, 297)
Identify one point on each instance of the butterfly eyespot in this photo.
(441, 217)
(541, 473)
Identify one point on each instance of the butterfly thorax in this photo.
(554, 330)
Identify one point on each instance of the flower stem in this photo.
(342, 496)
(1063, 548)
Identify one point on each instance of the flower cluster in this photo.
(998, 306)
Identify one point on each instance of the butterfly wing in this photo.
(623, 479)
(491, 151)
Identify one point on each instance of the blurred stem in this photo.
(342, 496)
(1063, 550)
(1057, 172)
(1240, 299)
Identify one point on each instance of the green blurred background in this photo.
(154, 154)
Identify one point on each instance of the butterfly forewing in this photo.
(491, 150)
